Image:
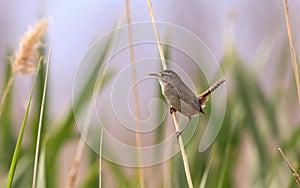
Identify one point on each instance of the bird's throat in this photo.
(163, 85)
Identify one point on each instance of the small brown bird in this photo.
(180, 97)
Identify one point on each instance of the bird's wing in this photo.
(193, 102)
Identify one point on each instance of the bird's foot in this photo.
(178, 133)
(172, 110)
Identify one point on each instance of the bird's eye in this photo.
(166, 77)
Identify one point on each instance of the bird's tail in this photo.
(203, 97)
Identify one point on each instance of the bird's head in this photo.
(167, 76)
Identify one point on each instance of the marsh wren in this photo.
(180, 97)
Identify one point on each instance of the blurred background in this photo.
(249, 41)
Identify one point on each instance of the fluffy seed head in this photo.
(28, 55)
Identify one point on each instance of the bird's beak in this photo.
(153, 74)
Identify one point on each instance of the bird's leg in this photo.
(172, 110)
(178, 133)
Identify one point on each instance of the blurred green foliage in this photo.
(252, 119)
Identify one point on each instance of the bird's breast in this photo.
(170, 94)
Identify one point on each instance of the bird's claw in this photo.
(172, 110)
(178, 133)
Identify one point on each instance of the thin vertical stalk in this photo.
(160, 48)
(292, 49)
(224, 165)
(40, 123)
(183, 153)
(79, 150)
(205, 174)
(21, 134)
(163, 61)
(6, 91)
(100, 158)
(166, 174)
(295, 174)
(135, 94)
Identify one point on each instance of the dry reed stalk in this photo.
(295, 174)
(160, 48)
(183, 153)
(76, 164)
(80, 147)
(292, 49)
(162, 57)
(135, 94)
(79, 150)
